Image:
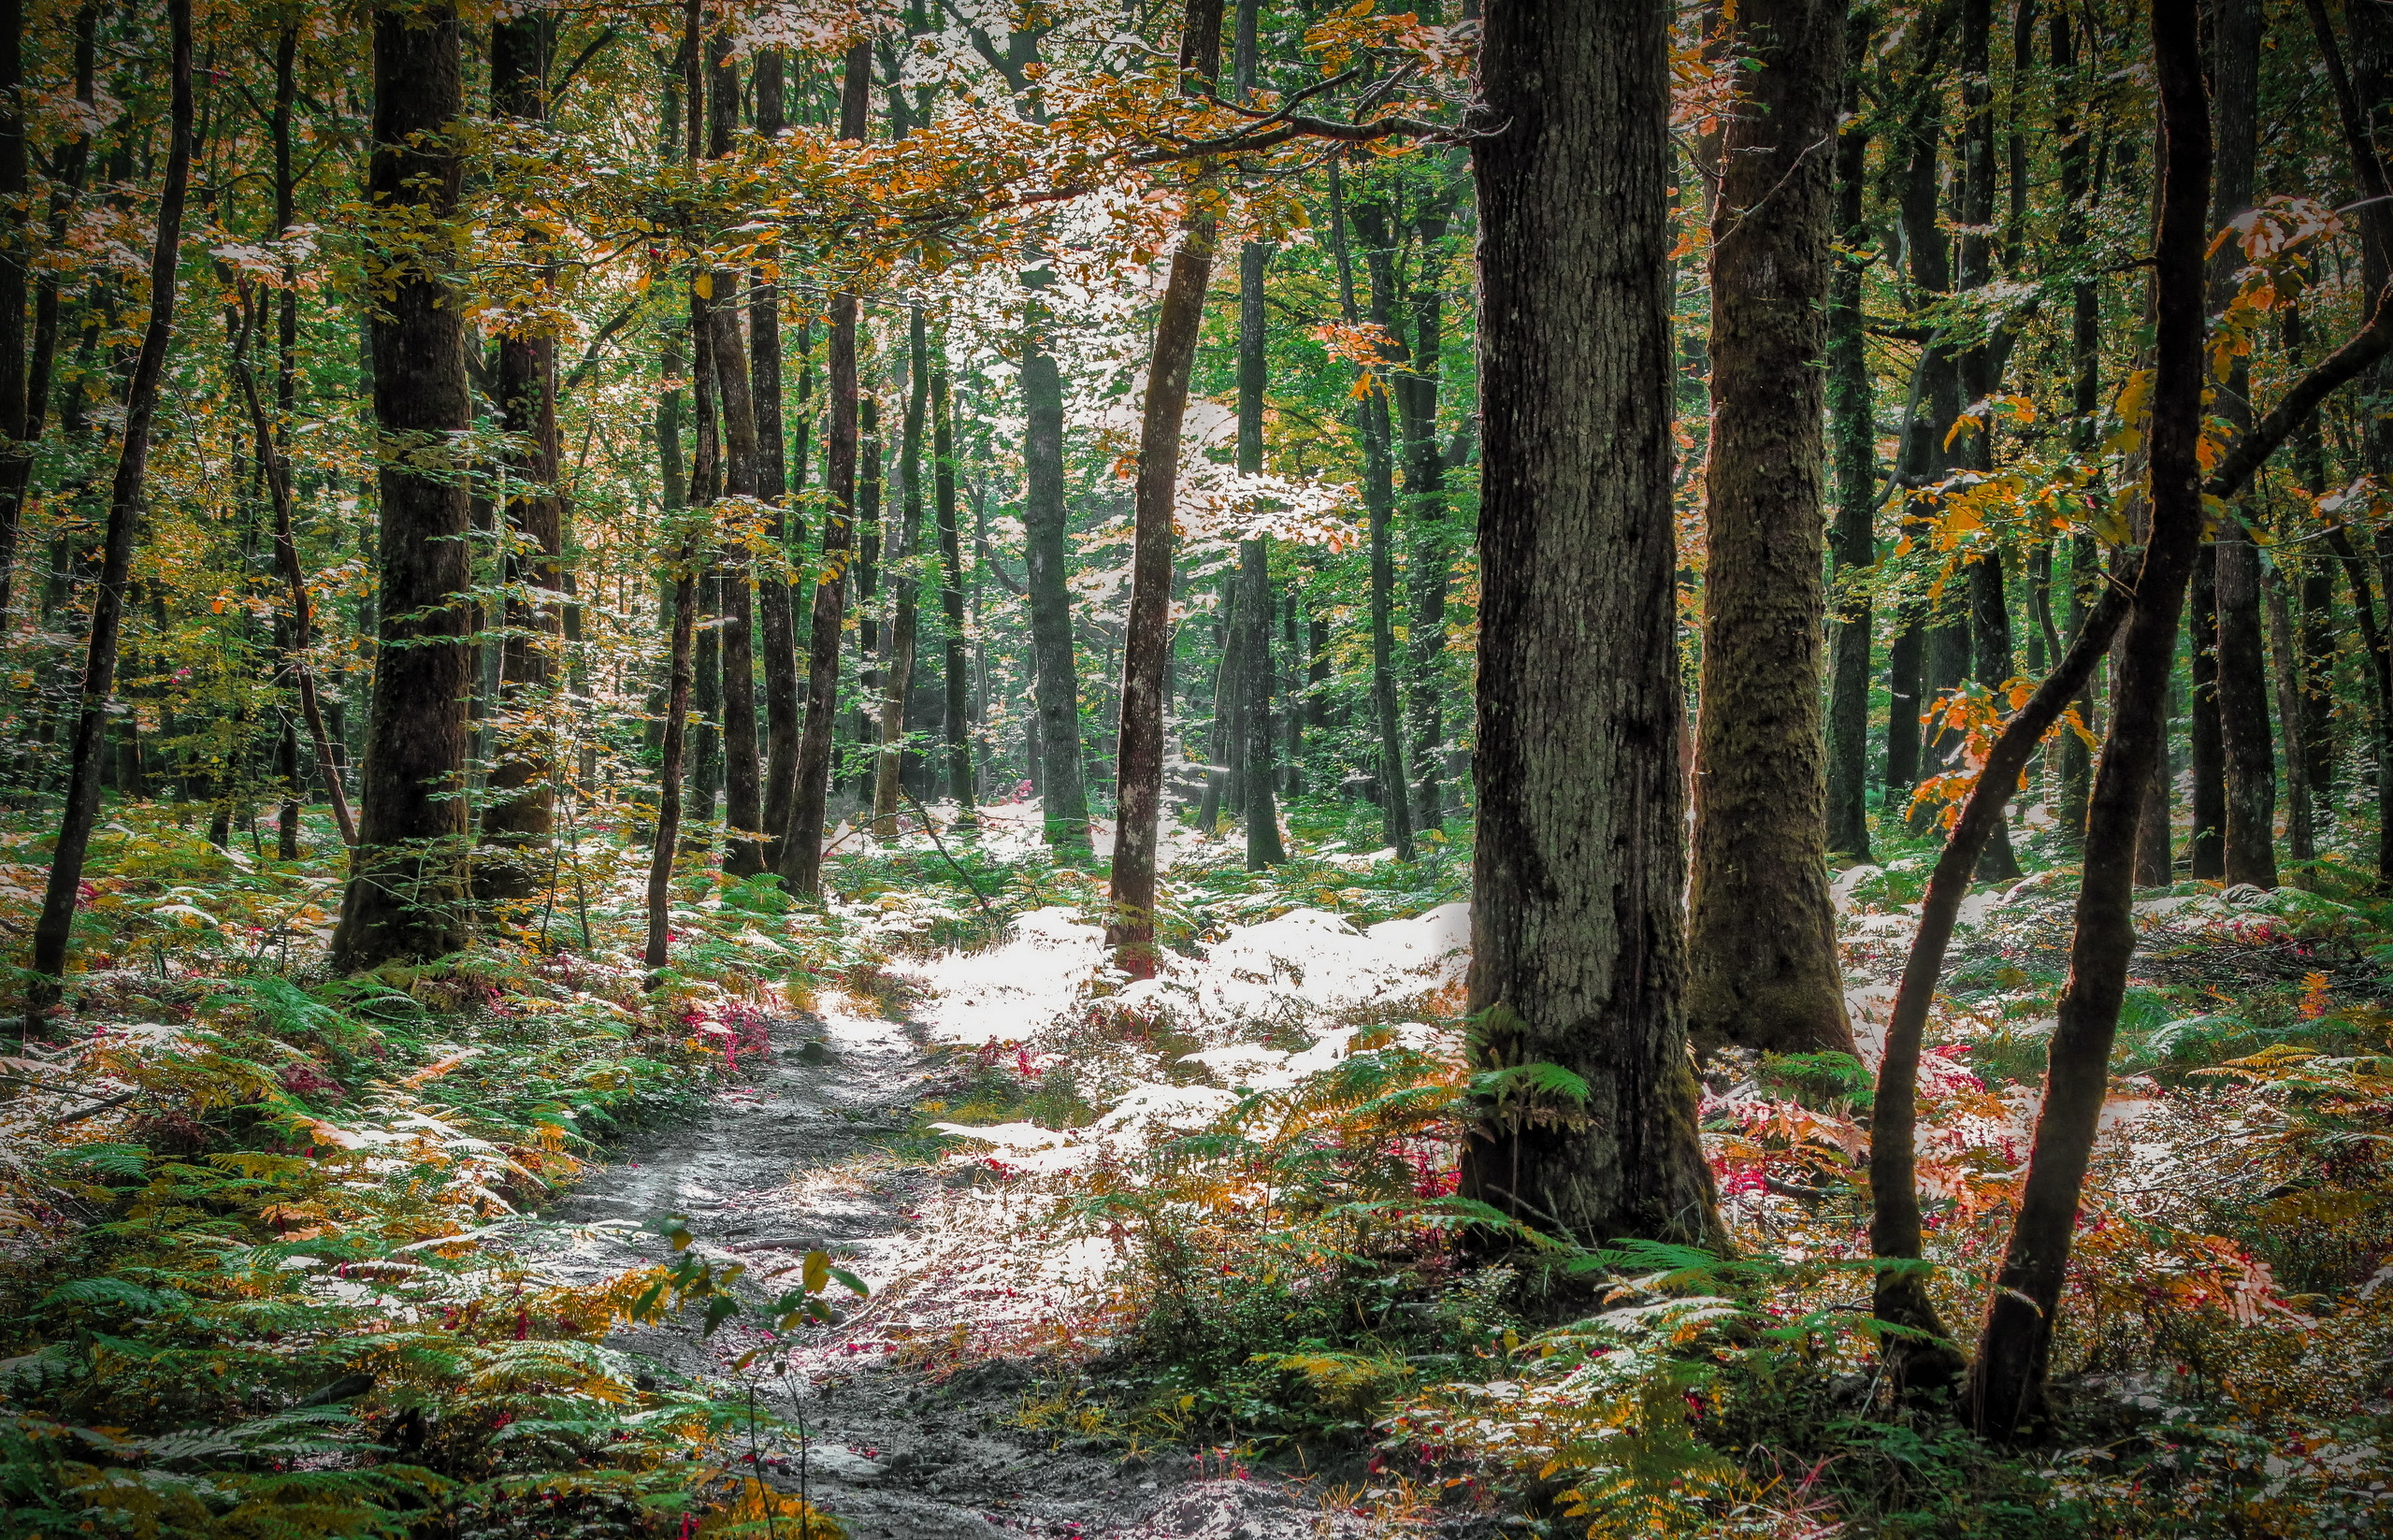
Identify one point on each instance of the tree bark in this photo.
(678, 670)
(801, 852)
(1852, 539)
(2300, 835)
(1761, 969)
(2086, 365)
(1577, 925)
(742, 781)
(519, 814)
(2005, 1391)
(2206, 845)
(2247, 738)
(53, 929)
(406, 886)
(1416, 390)
(903, 560)
(1146, 646)
(1063, 797)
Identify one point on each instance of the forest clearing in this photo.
(1249, 769)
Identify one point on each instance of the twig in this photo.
(932, 829)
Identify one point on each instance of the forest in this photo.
(1250, 769)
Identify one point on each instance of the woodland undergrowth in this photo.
(257, 1277)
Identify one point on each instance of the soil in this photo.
(794, 1156)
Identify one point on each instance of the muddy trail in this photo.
(794, 1156)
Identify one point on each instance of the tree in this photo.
(1577, 933)
(53, 930)
(1761, 945)
(1147, 647)
(405, 895)
(2005, 1389)
(1853, 540)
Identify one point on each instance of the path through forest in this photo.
(793, 1156)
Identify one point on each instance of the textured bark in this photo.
(1255, 744)
(776, 596)
(802, 851)
(2005, 1391)
(1416, 390)
(53, 929)
(1576, 926)
(2247, 739)
(669, 804)
(958, 673)
(406, 886)
(1762, 969)
(2301, 830)
(1056, 684)
(1147, 645)
(742, 780)
(1851, 539)
(2085, 376)
(520, 814)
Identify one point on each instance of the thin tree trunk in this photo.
(2005, 1391)
(905, 589)
(1577, 920)
(742, 784)
(2292, 713)
(801, 854)
(2206, 846)
(53, 929)
(776, 602)
(1762, 969)
(1147, 645)
(669, 805)
(1253, 613)
(2086, 367)
(406, 886)
(1055, 682)
(1416, 390)
(951, 591)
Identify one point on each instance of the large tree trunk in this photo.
(406, 886)
(801, 852)
(1576, 927)
(957, 671)
(520, 814)
(1762, 966)
(1056, 678)
(1852, 539)
(2005, 1391)
(1252, 614)
(2246, 735)
(776, 593)
(742, 784)
(54, 928)
(1146, 646)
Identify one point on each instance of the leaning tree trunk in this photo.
(801, 850)
(406, 886)
(53, 929)
(1761, 969)
(1576, 927)
(2005, 1389)
(1146, 646)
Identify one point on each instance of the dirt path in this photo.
(792, 1158)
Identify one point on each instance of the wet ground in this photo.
(790, 1159)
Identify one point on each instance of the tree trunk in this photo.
(2085, 360)
(776, 602)
(1416, 390)
(742, 784)
(1146, 646)
(1852, 539)
(406, 886)
(2301, 836)
(1761, 969)
(2206, 848)
(519, 814)
(1906, 662)
(1063, 797)
(2005, 1391)
(17, 406)
(1378, 501)
(1576, 919)
(2246, 736)
(951, 592)
(903, 560)
(1253, 613)
(801, 852)
(53, 929)
(669, 805)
